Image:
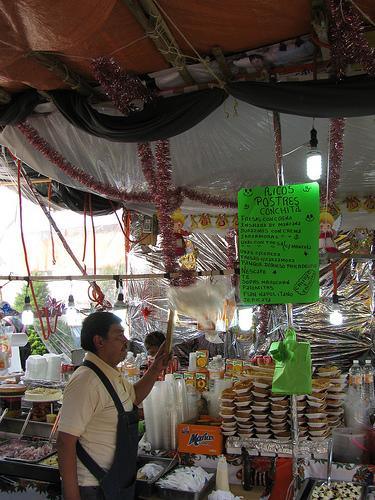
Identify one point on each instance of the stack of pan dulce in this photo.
(244, 401)
(228, 412)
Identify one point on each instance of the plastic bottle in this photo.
(216, 369)
(129, 368)
(355, 405)
(247, 476)
(222, 480)
(368, 388)
(356, 379)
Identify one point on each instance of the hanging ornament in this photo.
(181, 228)
(327, 232)
(221, 221)
(353, 204)
(369, 204)
(189, 259)
(204, 221)
(361, 241)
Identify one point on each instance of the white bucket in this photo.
(348, 445)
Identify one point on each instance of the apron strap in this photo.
(82, 454)
(89, 462)
(107, 384)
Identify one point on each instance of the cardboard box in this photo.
(200, 439)
(201, 381)
(202, 361)
(189, 378)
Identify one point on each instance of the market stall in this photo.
(193, 133)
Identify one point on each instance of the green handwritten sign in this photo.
(279, 244)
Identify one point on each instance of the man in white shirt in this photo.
(91, 416)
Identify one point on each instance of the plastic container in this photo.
(355, 404)
(368, 381)
(222, 480)
(356, 379)
(216, 369)
(348, 445)
(130, 368)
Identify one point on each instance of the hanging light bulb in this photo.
(245, 318)
(72, 318)
(335, 317)
(314, 158)
(27, 315)
(120, 308)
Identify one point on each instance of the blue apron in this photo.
(119, 482)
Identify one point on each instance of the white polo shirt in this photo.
(88, 412)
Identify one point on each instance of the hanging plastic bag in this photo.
(293, 366)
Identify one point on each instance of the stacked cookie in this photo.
(228, 412)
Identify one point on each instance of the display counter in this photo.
(24, 479)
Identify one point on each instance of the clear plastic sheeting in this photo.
(232, 148)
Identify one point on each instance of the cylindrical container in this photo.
(368, 381)
(216, 369)
(13, 404)
(356, 379)
(10, 398)
(41, 410)
(354, 404)
(222, 480)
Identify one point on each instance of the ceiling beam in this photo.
(150, 18)
(223, 65)
(68, 76)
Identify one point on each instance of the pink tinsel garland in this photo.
(122, 88)
(231, 251)
(336, 151)
(75, 173)
(262, 327)
(348, 45)
(348, 40)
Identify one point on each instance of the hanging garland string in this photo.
(41, 145)
(75, 173)
(336, 152)
(166, 203)
(123, 89)
(348, 40)
(231, 251)
(348, 45)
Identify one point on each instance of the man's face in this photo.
(114, 347)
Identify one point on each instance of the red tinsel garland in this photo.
(207, 199)
(336, 151)
(348, 40)
(122, 88)
(262, 327)
(75, 173)
(231, 251)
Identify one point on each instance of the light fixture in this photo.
(335, 317)
(314, 158)
(27, 315)
(119, 307)
(72, 317)
(245, 318)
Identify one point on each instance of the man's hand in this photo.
(162, 359)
